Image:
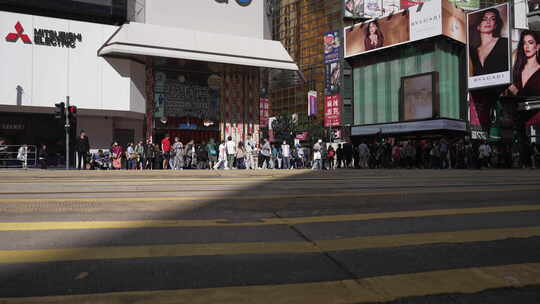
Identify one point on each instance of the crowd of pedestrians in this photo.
(228, 154)
(171, 153)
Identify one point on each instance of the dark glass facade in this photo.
(98, 11)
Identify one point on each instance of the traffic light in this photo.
(60, 111)
(72, 114)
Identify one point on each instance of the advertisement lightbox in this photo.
(430, 19)
(488, 47)
(420, 97)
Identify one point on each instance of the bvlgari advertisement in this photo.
(488, 46)
(430, 19)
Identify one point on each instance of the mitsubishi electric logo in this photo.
(244, 2)
(13, 37)
(46, 37)
(240, 2)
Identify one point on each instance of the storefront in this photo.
(158, 75)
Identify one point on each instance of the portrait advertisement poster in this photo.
(332, 110)
(333, 73)
(312, 103)
(526, 68)
(488, 47)
(353, 8)
(419, 96)
(433, 18)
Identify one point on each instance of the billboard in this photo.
(332, 46)
(353, 8)
(431, 19)
(332, 110)
(333, 77)
(486, 112)
(264, 110)
(488, 47)
(525, 63)
(312, 103)
(419, 96)
(468, 5)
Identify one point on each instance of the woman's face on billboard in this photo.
(488, 23)
(530, 46)
(372, 28)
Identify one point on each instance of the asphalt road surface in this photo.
(349, 236)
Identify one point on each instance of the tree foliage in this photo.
(284, 128)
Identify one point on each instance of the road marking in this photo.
(328, 187)
(374, 289)
(261, 197)
(178, 250)
(137, 224)
(209, 179)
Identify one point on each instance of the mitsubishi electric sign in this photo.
(46, 37)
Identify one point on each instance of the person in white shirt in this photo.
(250, 147)
(363, 152)
(286, 155)
(317, 158)
(222, 158)
(231, 152)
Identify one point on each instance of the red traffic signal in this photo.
(72, 109)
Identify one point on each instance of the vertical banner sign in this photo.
(333, 48)
(264, 112)
(488, 46)
(312, 103)
(332, 110)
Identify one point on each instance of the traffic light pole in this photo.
(66, 126)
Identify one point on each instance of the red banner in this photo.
(264, 110)
(332, 110)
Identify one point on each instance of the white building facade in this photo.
(109, 72)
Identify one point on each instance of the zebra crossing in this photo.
(339, 249)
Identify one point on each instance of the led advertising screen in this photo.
(488, 47)
(419, 96)
(431, 19)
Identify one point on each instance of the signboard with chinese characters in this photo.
(332, 110)
(264, 108)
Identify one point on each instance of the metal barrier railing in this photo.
(18, 156)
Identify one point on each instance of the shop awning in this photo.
(138, 39)
(410, 126)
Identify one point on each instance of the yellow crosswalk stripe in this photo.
(177, 250)
(221, 197)
(375, 289)
(137, 224)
